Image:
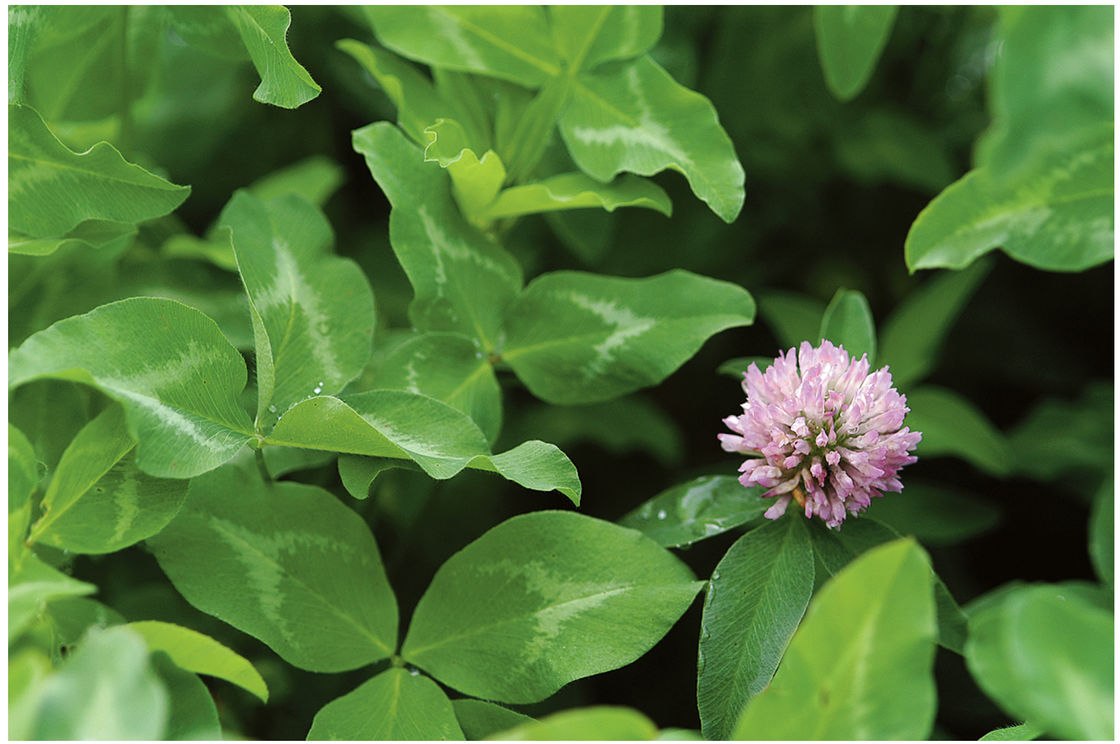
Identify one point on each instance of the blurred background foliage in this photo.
(832, 189)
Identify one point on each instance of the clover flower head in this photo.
(819, 429)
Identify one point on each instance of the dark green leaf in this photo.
(703, 507)
(314, 178)
(756, 598)
(1102, 536)
(1063, 438)
(543, 599)
(23, 477)
(480, 719)
(286, 563)
(850, 39)
(951, 425)
(72, 618)
(847, 322)
(100, 234)
(395, 705)
(263, 30)
(597, 723)
(192, 714)
(792, 317)
(935, 515)
(358, 473)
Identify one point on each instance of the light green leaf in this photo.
(847, 321)
(1102, 535)
(358, 473)
(104, 235)
(913, 333)
(192, 714)
(480, 719)
(703, 507)
(935, 515)
(588, 35)
(1056, 214)
(23, 477)
(32, 586)
(756, 598)
(23, 22)
(511, 42)
(437, 437)
(595, 723)
(951, 425)
(316, 309)
(580, 338)
(286, 563)
(314, 178)
(106, 690)
(1045, 655)
(177, 376)
(448, 367)
(634, 117)
(861, 664)
(575, 191)
(462, 280)
(792, 317)
(543, 599)
(28, 669)
(97, 500)
(393, 706)
(850, 39)
(263, 30)
(1022, 732)
(201, 654)
(52, 189)
(475, 182)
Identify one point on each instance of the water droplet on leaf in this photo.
(662, 514)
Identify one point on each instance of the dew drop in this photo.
(414, 671)
(662, 514)
(715, 576)
(272, 409)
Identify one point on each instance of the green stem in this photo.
(261, 466)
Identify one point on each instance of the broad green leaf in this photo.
(177, 376)
(23, 22)
(23, 477)
(32, 586)
(358, 473)
(847, 321)
(935, 515)
(951, 425)
(52, 189)
(106, 690)
(580, 338)
(756, 598)
(587, 35)
(1022, 732)
(393, 706)
(314, 178)
(543, 599)
(28, 670)
(315, 308)
(448, 367)
(437, 437)
(1102, 535)
(1045, 655)
(283, 460)
(913, 333)
(575, 191)
(792, 317)
(286, 563)
(634, 117)
(463, 282)
(72, 618)
(1056, 214)
(100, 234)
(192, 714)
(1060, 438)
(208, 28)
(850, 39)
(418, 104)
(861, 664)
(511, 42)
(479, 719)
(98, 500)
(595, 723)
(700, 508)
(475, 181)
(201, 654)
(263, 30)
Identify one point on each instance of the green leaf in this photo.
(634, 117)
(314, 178)
(579, 338)
(32, 586)
(448, 367)
(480, 719)
(1056, 214)
(28, 669)
(313, 312)
(177, 376)
(913, 333)
(103, 235)
(575, 191)
(72, 618)
(1102, 536)
(106, 690)
(263, 30)
(861, 664)
(511, 42)
(52, 189)
(737, 366)
(847, 321)
(792, 317)
(935, 515)
(462, 280)
(283, 460)
(394, 706)
(286, 563)
(437, 437)
(1022, 732)
(199, 653)
(192, 716)
(595, 723)
(588, 35)
(1045, 655)
(543, 599)
(951, 425)
(23, 23)
(23, 477)
(1061, 438)
(850, 39)
(358, 473)
(700, 508)
(756, 598)
(475, 182)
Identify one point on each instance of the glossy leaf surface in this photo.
(395, 705)
(588, 35)
(700, 508)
